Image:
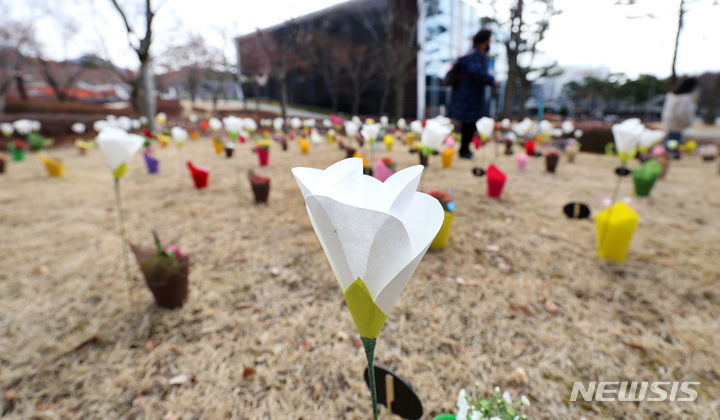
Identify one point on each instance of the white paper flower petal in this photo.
(118, 146)
(485, 126)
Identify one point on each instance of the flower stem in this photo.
(369, 344)
(121, 223)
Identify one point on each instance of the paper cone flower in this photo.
(83, 145)
(447, 157)
(626, 135)
(78, 128)
(649, 138)
(55, 168)
(179, 135)
(351, 129)
(161, 118)
(215, 124)
(152, 164)
(485, 127)
(330, 135)
(443, 236)
(370, 132)
(374, 234)
(249, 125)
(416, 127)
(495, 181)
(614, 228)
(389, 142)
(7, 129)
(295, 123)
(118, 147)
(315, 137)
(401, 124)
(434, 134)
(524, 128)
(521, 160)
(546, 128)
(199, 174)
(304, 146)
(262, 149)
(529, 147)
(229, 150)
(164, 140)
(567, 127)
(382, 170)
(24, 126)
(645, 176)
(166, 273)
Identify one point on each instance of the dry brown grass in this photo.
(265, 333)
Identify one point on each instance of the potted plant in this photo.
(17, 150)
(443, 236)
(645, 176)
(447, 156)
(495, 181)
(166, 271)
(384, 168)
(262, 147)
(199, 174)
(152, 164)
(260, 187)
(552, 156)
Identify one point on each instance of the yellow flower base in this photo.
(447, 157)
(54, 168)
(443, 236)
(614, 228)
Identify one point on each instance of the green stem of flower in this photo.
(369, 344)
(121, 223)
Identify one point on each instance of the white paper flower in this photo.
(370, 132)
(485, 126)
(278, 123)
(249, 124)
(434, 133)
(506, 397)
(578, 133)
(567, 126)
(24, 127)
(505, 123)
(215, 124)
(627, 135)
(357, 120)
(99, 125)
(161, 118)
(136, 124)
(462, 406)
(546, 127)
(401, 124)
(524, 128)
(374, 233)
(193, 118)
(233, 124)
(649, 138)
(384, 120)
(557, 133)
(351, 128)
(416, 126)
(36, 125)
(78, 128)
(118, 147)
(179, 135)
(327, 123)
(7, 129)
(309, 123)
(295, 123)
(143, 120)
(315, 137)
(524, 400)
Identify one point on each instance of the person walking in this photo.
(467, 101)
(679, 112)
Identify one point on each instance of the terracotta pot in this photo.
(508, 147)
(260, 187)
(166, 277)
(551, 161)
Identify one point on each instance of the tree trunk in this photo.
(384, 97)
(673, 78)
(713, 102)
(20, 83)
(283, 96)
(355, 102)
(148, 83)
(522, 98)
(399, 110)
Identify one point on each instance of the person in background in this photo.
(679, 112)
(467, 101)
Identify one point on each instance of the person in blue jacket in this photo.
(467, 101)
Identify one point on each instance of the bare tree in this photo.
(360, 69)
(142, 50)
(16, 44)
(394, 32)
(194, 57)
(277, 48)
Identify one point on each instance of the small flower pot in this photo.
(708, 158)
(304, 146)
(219, 147)
(350, 152)
(508, 147)
(382, 172)
(283, 144)
(152, 164)
(443, 236)
(194, 135)
(229, 150)
(447, 157)
(614, 228)
(260, 187)
(2, 166)
(55, 168)
(476, 142)
(645, 176)
(551, 162)
(263, 155)
(495, 181)
(200, 175)
(18, 155)
(521, 160)
(530, 147)
(166, 277)
(571, 152)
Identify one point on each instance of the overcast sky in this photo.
(587, 32)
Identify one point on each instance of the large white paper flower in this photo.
(7, 129)
(309, 122)
(435, 133)
(505, 123)
(136, 124)
(315, 137)
(567, 127)
(24, 127)
(374, 233)
(249, 124)
(384, 120)
(78, 128)
(370, 132)
(215, 124)
(351, 128)
(546, 128)
(193, 118)
(295, 123)
(278, 123)
(627, 135)
(401, 124)
(118, 147)
(649, 138)
(524, 128)
(485, 126)
(179, 135)
(233, 124)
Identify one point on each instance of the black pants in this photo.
(467, 131)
